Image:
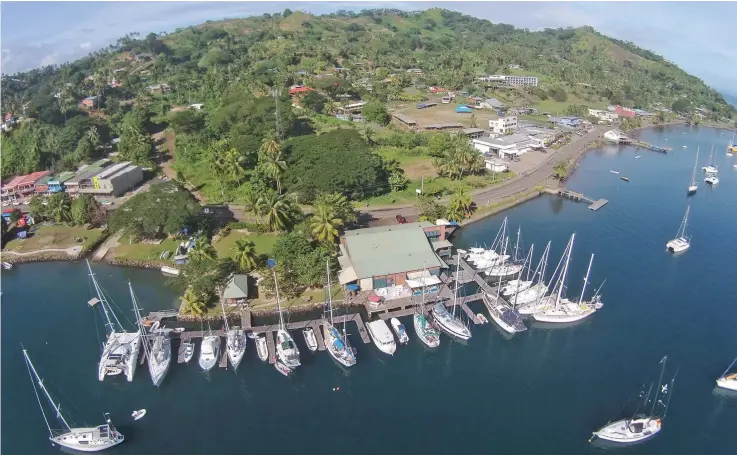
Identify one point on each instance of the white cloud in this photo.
(85, 45)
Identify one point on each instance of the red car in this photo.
(401, 219)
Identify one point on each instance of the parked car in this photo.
(400, 219)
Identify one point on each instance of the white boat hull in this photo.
(120, 355)
(728, 382)
(692, 189)
(286, 349)
(450, 324)
(87, 440)
(235, 345)
(336, 347)
(677, 245)
(158, 363)
(623, 433)
(566, 313)
(400, 331)
(504, 270)
(377, 331)
(310, 339)
(209, 357)
(261, 348)
(431, 340)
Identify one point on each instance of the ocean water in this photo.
(542, 392)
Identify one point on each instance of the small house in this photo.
(236, 291)
(495, 165)
(491, 103)
(89, 102)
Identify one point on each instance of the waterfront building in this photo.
(387, 256)
(105, 179)
(52, 184)
(503, 125)
(506, 147)
(604, 115)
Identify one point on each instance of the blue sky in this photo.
(696, 36)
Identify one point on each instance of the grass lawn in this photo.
(307, 297)
(145, 251)
(558, 108)
(55, 236)
(264, 243)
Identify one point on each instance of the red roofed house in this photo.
(9, 189)
(293, 90)
(27, 186)
(624, 111)
(434, 89)
(90, 101)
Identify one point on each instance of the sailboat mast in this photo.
(330, 294)
(516, 244)
(528, 262)
(278, 303)
(695, 165)
(565, 271)
(544, 262)
(586, 279)
(40, 382)
(103, 303)
(729, 367)
(225, 317)
(455, 288)
(660, 381)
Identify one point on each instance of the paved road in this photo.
(513, 186)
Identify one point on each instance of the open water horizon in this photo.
(542, 392)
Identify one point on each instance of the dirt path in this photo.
(71, 251)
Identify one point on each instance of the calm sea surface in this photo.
(542, 392)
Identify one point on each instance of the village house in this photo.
(236, 291)
(514, 81)
(491, 103)
(494, 165)
(606, 116)
(625, 112)
(89, 102)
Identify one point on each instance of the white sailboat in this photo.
(120, 349)
(504, 315)
(209, 351)
(732, 147)
(89, 439)
(447, 321)
(382, 336)
(728, 380)
(505, 269)
(425, 330)
(640, 427)
(235, 341)
(682, 241)
(694, 183)
(158, 353)
(530, 300)
(565, 310)
(513, 287)
(400, 330)
(711, 179)
(286, 349)
(710, 168)
(336, 342)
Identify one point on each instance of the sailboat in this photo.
(505, 316)
(209, 350)
(513, 287)
(286, 349)
(88, 439)
(235, 341)
(120, 349)
(447, 321)
(640, 427)
(711, 179)
(682, 241)
(710, 168)
(528, 302)
(565, 310)
(694, 183)
(728, 380)
(336, 342)
(732, 147)
(424, 329)
(158, 353)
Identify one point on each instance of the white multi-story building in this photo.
(503, 125)
(510, 80)
(603, 115)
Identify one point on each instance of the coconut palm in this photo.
(273, 166)
(94, 136)
(232, 166)
(276, 210)
(202, 250)
(325, 223)
(368, 135)
(59, 208)
(244, 254)
(192, 303)
(270, 145)
(560, 170)
(331, 107)
(459, 205)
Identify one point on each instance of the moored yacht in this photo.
(336, 342)
(235, 341)
(710, 168)
(382, 336)
(310, 338)
(728, 380)
(400, 330)
(209, 351)
(449, 323)
(262, 348)
(505, 317)
(694, 186)
(682, 241)
(711, 179)
(425, 330)
(159, 356)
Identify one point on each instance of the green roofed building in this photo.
(236, 291)
(387, 256)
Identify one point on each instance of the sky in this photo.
(695, 36)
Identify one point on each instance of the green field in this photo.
(264, 243)
(307, 298)
(55, 236)
(145, 251)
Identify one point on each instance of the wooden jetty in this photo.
(223, 355)
(649, 146)
(318, 335)
(577, 197)
(271, 347)
(157, 316)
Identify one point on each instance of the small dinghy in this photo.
(252, 335)
(685, 147)
(638, 157)
(188, 351)
(137, 415)
(614, 172)
(261, 349)
(400, 331)
(310, 338)
(7, 265)
(482, 319)
(626, 179)
(283, 369)
(177, 330)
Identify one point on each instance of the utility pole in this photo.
(278, 117)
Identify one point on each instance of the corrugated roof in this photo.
(390, 249)
(31, 178)
(113, 169)
(14, 181)
(64, 176)
(90, 170)
(405, 119)
(237, 287)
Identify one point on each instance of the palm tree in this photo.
(459, 205)
(192, 303)
(60, 209)
(270, 145)
(244, 254)
(325, 224)
(276, 210)
(368, 134)
(202, 250)
(330, 107)
(560, 170)
(232, 166)
(94, 137)
(219, 168)
(273, 166)
(472, 121)
(250, 199)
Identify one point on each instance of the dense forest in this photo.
(241, 69)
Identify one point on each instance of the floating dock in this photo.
(577, 197)
(598, 204)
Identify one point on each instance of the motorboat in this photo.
(728, 380)
(381, 336)
(505, 317)
(7, 265)
(711, 179)
(481, 318)
(682, 241)
(137, 415)
(449, 323)
(614, 172)
(261, 347)
(84, 439)
(188, 351)
(626, 179)
(209, 352)
(400, 331)
(282, 368)
(310, 339)
(286, 349)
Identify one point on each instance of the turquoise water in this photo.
(542, 392)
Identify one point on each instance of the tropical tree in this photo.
(397, 181)
(94, 136)
(472, 120)
(331, 107)
(341, 206)
(232, 166)
(560, 170)
(458, 158)
(192, 303)
(368, 134)
(276, 210)
(459, 205)
(244, 255)
(324, 224)
(250, 198)
(660, 117)
(272, 166)
(202, 250)
(59, 208)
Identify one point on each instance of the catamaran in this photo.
(682, 241)
(120, 349)
(565, 310)
(447, 321)
(640, 427)
(209, 350)
(235, 341)
(694, 183)
(382, 336)
(336, 342)
(425, 330)
(728, 380)
(91, 439)
(711, 179)
(286, 349)
(710, 168)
